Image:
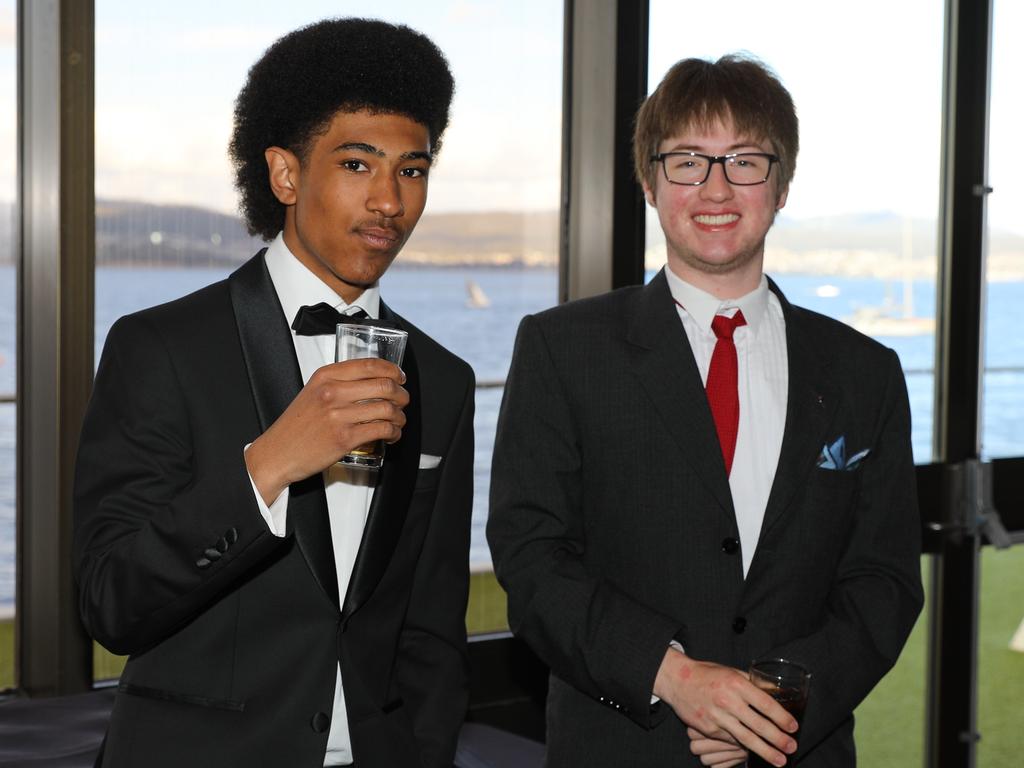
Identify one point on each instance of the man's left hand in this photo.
(714, 752)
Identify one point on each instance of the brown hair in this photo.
(696, 93)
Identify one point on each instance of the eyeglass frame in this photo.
(712, 160)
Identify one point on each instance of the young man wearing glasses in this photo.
(695, 473)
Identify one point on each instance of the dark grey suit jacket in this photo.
(234, 634)
(611, 514)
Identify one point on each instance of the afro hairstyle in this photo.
(304, 79)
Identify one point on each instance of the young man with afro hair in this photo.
(278, 608)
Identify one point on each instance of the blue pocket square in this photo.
(834, 456)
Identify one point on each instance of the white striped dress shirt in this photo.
(763, 384)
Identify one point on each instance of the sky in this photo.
(866, 79)
(165, 90)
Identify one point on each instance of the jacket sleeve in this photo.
(591, 634)
(156, 539)
(876, 592)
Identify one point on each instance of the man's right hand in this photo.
(722, 704)
(343, 405)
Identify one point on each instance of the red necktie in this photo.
(723, 394)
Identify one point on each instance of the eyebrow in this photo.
(362, 146)
(728, 151)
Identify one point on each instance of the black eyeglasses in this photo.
(692, 169)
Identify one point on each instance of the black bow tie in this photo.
(322, 318)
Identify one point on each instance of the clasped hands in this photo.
(725, 714)
(343, 405)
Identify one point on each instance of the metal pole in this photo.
(953, 647)
(55, 332)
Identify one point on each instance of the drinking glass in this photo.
(355, 341)
(786, 682)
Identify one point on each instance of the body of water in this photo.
(475, 313)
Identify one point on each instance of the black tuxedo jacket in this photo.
(613, 530)
(234, 634)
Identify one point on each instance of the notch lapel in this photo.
(395, 483)
(666, 369)
(275, 379)
(811, 405)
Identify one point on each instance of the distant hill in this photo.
(868, 244)
(146, 234)
(141, 233)
(493, 238)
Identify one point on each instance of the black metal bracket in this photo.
(967, 506)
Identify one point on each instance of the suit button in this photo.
(320, 722)
(202, 562)
(730, 546)
(739, 625)
(222, 545)
(231, 536)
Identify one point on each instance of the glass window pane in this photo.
(1001, 610)
(1003, 388)
(8, 334)
(485, 251)
(856, 240)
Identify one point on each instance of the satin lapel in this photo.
(395, 483)
(666, 369)
(812, 403)
(275, 379)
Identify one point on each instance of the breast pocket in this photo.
(832, 488)
(826, 511)
(427, 480)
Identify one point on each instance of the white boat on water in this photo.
(475, 296)
(883, 321)
(892, 318)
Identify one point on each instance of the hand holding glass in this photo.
(356, 342)
(786, 682)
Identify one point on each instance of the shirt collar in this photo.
(703, 307)
(297, 286)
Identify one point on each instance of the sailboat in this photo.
(893, 318)
(475, 296)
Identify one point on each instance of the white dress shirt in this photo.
(349, 490)
(763, 380)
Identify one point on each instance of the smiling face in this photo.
(355, 198)
(714, 233)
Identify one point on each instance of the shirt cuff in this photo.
(671, 644)
(276, 515)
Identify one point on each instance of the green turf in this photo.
(487, 605)
(6, 654)
(890, 723)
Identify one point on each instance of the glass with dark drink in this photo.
(786, 682)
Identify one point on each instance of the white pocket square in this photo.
(429, 462)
